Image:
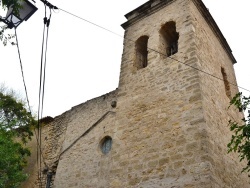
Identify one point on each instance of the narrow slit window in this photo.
(141, 52)
(226, 83)
(168, 39)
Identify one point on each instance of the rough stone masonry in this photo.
(166, 124)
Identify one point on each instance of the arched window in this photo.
(106, 144)
(226, 83)
(168, 39)
(141, 52)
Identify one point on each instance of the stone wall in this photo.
(169, 127)
(87, 125)
(31, 168)
(162, 108)
(53, 136)
(211, 57)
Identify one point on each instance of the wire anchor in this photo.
(49, 4)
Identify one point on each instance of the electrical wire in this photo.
(38, 114)
(198, 69)
(153, 49)
(90, 22)
(27, 98)
(45, 60)
(38, 111)
(41, 92)
(39, 106)
(26, 92)
(21, 66)
(46, 22)
(43, 71)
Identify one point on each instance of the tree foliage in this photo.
(12, 161)
(5, 38)
(16, 125)
(15, 4)
(240, 140)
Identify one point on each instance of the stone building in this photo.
(166, 123)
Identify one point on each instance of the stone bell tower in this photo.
(172, 113)
(166, 124)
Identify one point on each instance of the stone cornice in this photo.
(208, 17)
(144, 10)
(152, 6)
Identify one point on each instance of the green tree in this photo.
(16, 7)
(14, 3)
(5, 38)
(16, 125)
(240, 140)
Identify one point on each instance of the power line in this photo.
(46, 22)
(41, 89)
(90, 22)
(25, 88)
(198, 69)
(152, 49)
(26, 92)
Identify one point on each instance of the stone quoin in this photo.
(166, 125)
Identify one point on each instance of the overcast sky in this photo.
(83, 61)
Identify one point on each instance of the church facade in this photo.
(166, 125)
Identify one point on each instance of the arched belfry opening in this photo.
(169, 39)
(141, 52)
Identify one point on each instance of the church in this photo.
(166, 125)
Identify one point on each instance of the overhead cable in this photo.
(90, 22)
(46, 22)
(26, 93)
(21, 66)
(152, 49)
